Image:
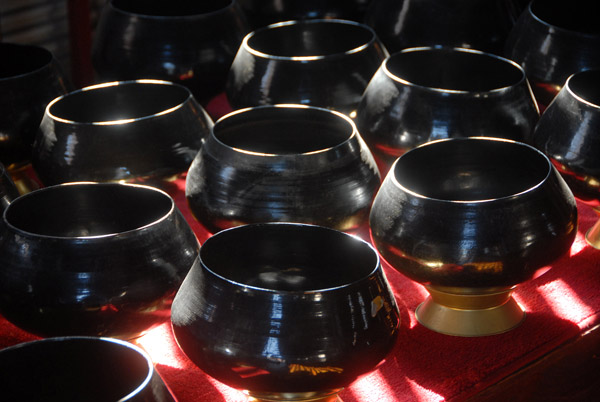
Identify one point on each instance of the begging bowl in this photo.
(92, 259)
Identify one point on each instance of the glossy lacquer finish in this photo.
(285, 311)
(189, 42)
(553, 40)
(30, 77)
(481, 25)
(92, 259)
(264, 12)
(568, 133)
(473, 213)
(325, 63)
(283, 163)
(424, 94)
(72, 369)
(134, 131)
(8, 190)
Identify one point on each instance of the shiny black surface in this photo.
(475, 24)
(568, 132)
(191, 43)
(269, 163)
(131, 130)
(264, 12)
(92, 259)
(74, 369)
(325, 63)
(285, 308)
(8, 190)
(30, 77)
(473, 213)
(424, 94)
(553, 40)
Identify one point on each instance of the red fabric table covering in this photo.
(424, 366)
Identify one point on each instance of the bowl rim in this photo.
(551, 27)
(93, 339)
(450, 49)
(353, 135)
(307, 226)
(231, 4)
(337, 21)
(41, 49)
(394, 180)
(110, 84)
(57, 187)
(579, 98)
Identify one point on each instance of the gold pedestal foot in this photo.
(592, 236)
(22, 178)
(326, 396)
(470, 312)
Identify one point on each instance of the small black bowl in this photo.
(74, 369)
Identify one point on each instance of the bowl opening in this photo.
(87, 210)
(283, 130)
(22, 59)
(576, 15)
(310, 38)
(288, 257)
(72, 369)
(586, 85)
(172, 8)
(455, 70)
(114, 103)
(471, 169)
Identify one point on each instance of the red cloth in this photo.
(424, 366)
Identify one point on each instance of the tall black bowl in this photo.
(286, 311)
(471, 218)
(189, 42)
(96, 259)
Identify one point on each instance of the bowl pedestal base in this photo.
(592, 236)
(470, 312)
(23, 181)
(326, 396)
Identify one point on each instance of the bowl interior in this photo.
(119, 102)
(287, 257)
(73, 369)
(454, 70)
(577, 15)
(86, 210)
(172, 8)
(471, 169)
(586, 85)
(282, 130)
(21, 59)
(312, 38)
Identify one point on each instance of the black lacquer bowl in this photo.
(568, 132)
(30, 77)
(286, 311)
(470, 219)
(324, 63)
(430, 93)
(283, 163)
(134, 131)
(99, 259)
(189, 42)
(75, 369)
(553, 40)
(475, 24)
